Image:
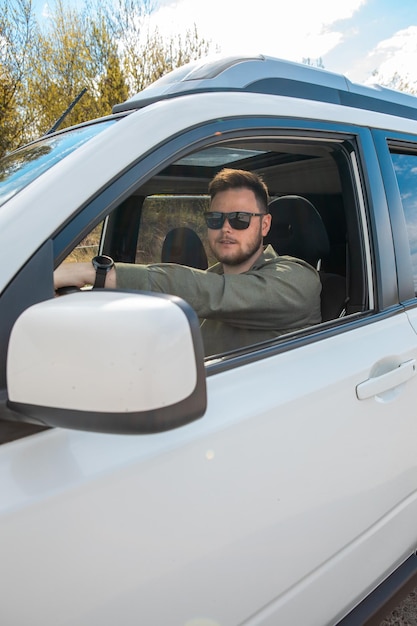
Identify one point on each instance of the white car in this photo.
(145, 483)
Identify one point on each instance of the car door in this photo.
(299, 478)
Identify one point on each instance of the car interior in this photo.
(313, 206)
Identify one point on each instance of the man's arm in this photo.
(283, 293)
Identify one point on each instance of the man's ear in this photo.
(266, 224)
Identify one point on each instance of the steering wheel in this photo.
(102, 264)
(63, 291)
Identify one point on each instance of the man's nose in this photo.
(226, 226)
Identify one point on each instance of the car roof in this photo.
(269, 75)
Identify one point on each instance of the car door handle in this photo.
(385, 382)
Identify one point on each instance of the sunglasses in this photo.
(239, 220)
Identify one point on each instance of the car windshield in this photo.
(20, 168)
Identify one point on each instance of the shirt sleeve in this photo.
(282, 293)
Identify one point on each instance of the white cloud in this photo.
(290, 30)
(395, 56)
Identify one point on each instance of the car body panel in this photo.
(218, 506)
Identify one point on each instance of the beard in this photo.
(239, 255)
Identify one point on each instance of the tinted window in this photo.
(405, 166)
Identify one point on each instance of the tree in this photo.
(148, 61)
(313, 62)
(98, 55)
(110, 85)
(17, 32)
(395, 81)
(146, 55)
(74, 53)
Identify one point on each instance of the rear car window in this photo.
(405, 167)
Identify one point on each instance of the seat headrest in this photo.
(297, 229)
(182, 245)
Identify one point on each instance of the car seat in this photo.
(182, 245)
(297, 229)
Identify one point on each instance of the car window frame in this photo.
(141, 170)
(204, 136)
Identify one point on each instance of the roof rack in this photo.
(268, 75)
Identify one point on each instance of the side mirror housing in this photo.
(107, 361)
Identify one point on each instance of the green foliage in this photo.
(395, 81)
(313, 62)
(104, 50)
(17, 35)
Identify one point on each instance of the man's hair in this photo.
(228, 178)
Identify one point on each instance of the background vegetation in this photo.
(98, 51)
(104, 50)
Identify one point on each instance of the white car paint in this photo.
(193, 515)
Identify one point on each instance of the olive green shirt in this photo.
(279, 294)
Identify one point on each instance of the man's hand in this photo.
(79, 275)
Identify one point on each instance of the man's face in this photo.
(238, 249)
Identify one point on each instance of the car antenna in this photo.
(64, 115)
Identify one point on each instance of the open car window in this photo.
(163, 218)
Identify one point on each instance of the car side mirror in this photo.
(107, 361)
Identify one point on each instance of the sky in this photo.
(351, 37)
